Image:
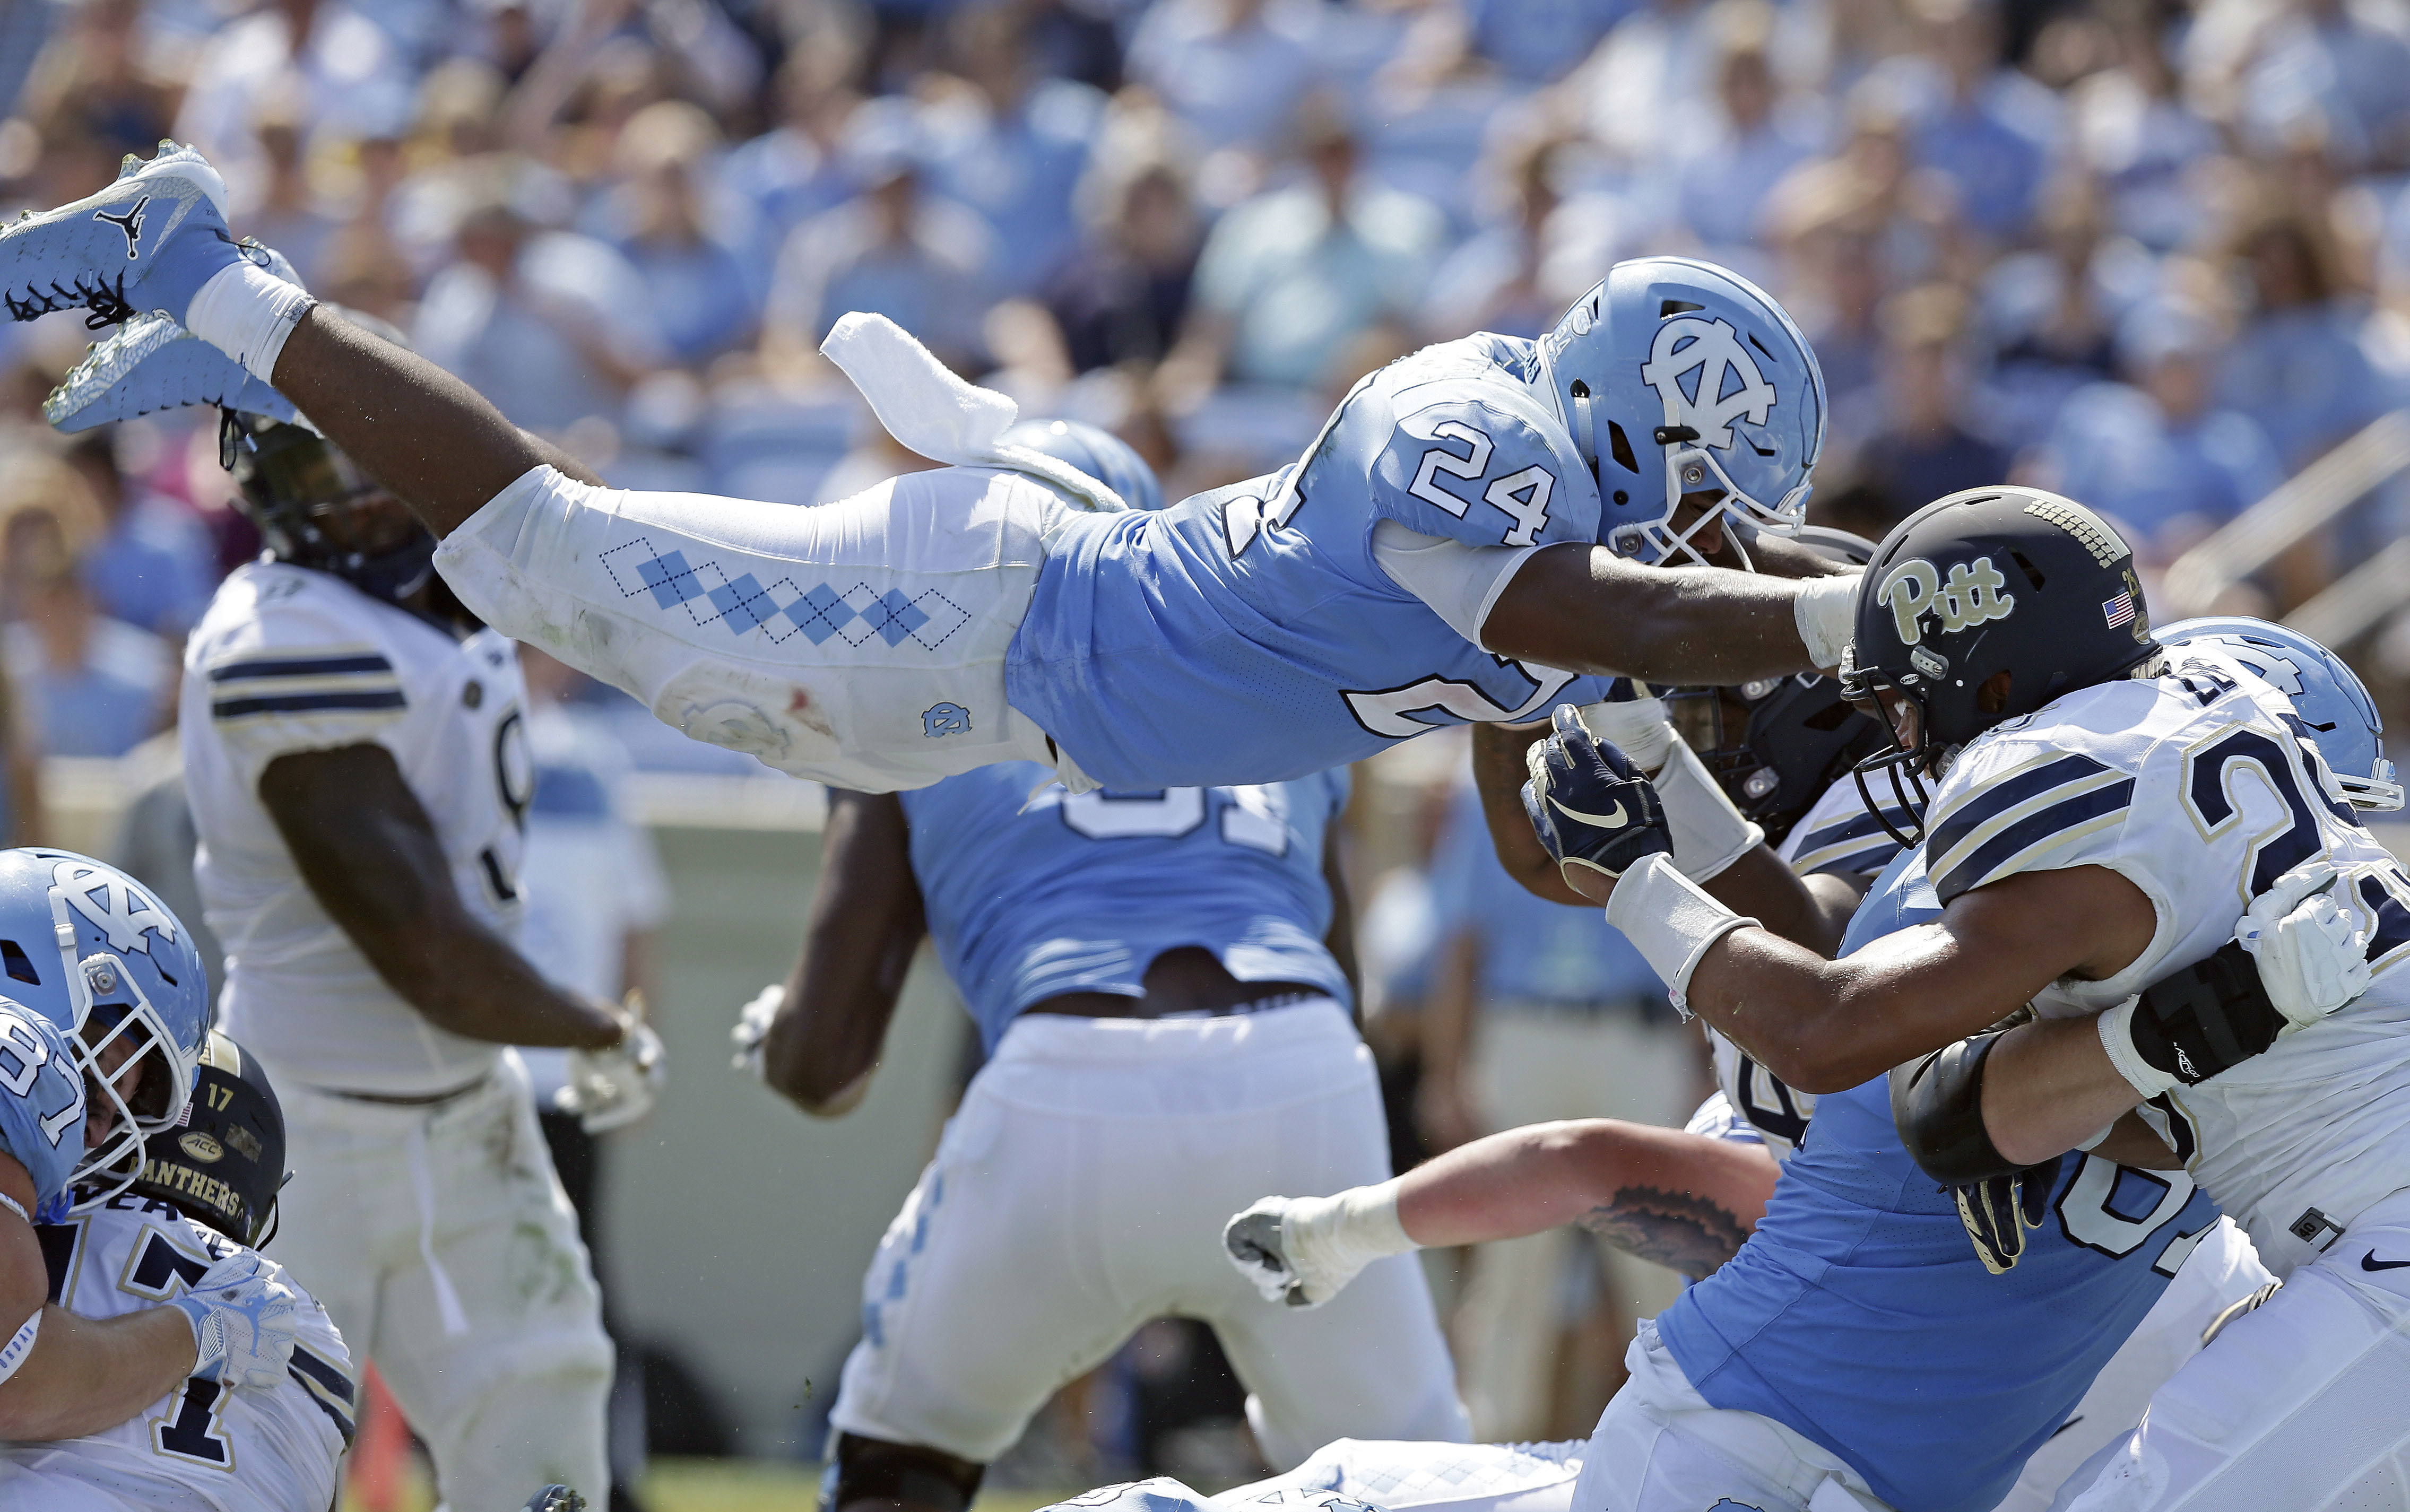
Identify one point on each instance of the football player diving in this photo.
(205, 1199)
(1476, 531)
(100, 1029)
(1161, 982)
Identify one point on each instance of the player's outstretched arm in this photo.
(431, 437)
(1585, 609)
(1813, 911)
(73, 1375)
(866, 920)
(371, 857)
(1681, 1199)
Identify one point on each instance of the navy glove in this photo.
(1589, 806)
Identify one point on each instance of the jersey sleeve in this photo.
(1840, 834)
(1483, 468)
(301, 675)
(2028, 805)
(41, 1102)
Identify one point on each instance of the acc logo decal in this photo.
(1728, 385)
(201, 1148)
(122, 910)
(1970, 596)
(941, 720)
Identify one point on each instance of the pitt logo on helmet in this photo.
(1968, 596)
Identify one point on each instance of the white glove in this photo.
(1638, 727)
(1302, 1250)
(1827, 615)
(614, 1087)
(2312, 958)
(753, 1027)
(244, 1316)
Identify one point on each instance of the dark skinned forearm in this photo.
(431, 437)
(1585, 609)
(369, 855)
(866, 920)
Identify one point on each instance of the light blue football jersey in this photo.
(41, 1105)
(1248, 632)
(1859, 1315)
(1031, 898)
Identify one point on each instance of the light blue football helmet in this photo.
(1675, 376)
(98, 954)
(2328, 696)
(1097, 452)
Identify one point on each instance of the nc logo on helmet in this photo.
(1728, 384)
(119, 910)
(1970, 596)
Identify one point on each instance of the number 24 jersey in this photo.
(1249, 633)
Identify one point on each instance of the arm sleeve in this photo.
(1840, 834)
(41, 1101)
(1460, 582)
(2023, 805)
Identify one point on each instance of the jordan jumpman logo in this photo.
(130, 223)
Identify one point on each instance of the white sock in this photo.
(247, 312)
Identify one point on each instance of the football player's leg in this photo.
(987, 1293)
(348, 1210)
(1660, 1448)
(1371, 1362)
(2296, 1404)
(492, 1342)
(2222, 1270)
(1411, 1477)
(61, 1485)
(862, 643)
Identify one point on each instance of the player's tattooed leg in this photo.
(1683, 1230)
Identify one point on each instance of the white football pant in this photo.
(860, 643)
(1081, 1190)
(2303, 1404)
(442, 1246)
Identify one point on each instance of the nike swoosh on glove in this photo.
(612, 1088)
(2313, 958)
(243, 1316)
(1589, 804)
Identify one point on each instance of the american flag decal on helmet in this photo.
(2119, 610)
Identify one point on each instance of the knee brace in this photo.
(874, 1470)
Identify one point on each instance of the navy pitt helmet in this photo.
(2341, 719)
(1675, 377)
(96, 953)
(223, 1165)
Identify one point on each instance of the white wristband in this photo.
(1709, 833)
(20, 1346)
(247, 312)
(1826, 612)
(2118, 1037)
(1341, 1234)
(1671, 921)
(1637, 726)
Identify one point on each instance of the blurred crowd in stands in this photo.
(2154, 256)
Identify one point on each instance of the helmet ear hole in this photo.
(1619, 446)
(19, 965)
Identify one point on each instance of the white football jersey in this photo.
(232, 1449)
(2193, 787)
(290, 659)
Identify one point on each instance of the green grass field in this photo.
(731, 1486)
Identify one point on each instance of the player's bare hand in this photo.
(1593, 810)
(2312, 957)
(615, 1086)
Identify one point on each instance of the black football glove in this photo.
(1589, 806)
